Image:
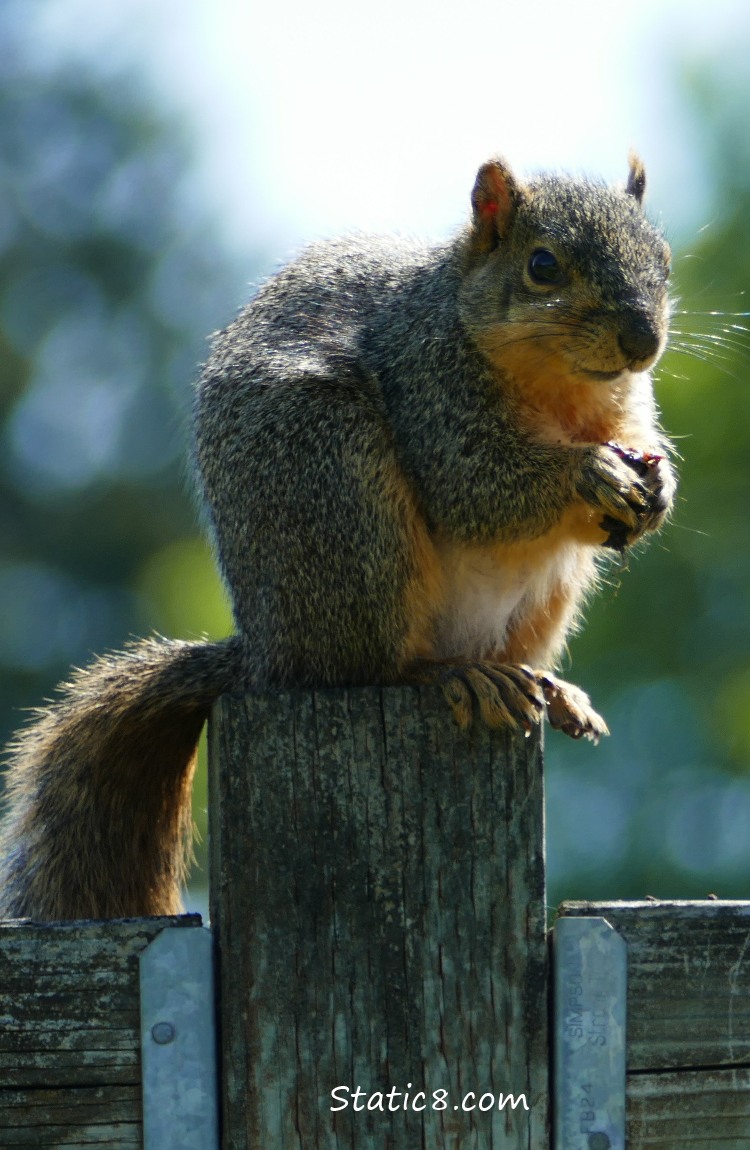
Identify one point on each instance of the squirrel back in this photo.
(413, 460)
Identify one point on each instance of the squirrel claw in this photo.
(569, 709)
(617, 534)
(507, 694)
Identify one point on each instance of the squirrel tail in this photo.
(98, 823)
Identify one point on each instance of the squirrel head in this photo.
(571, 267)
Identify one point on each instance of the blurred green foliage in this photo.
(111, 277)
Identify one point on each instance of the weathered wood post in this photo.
(378, 902)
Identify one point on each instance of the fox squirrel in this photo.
(412, 458)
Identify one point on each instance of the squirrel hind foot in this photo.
(511, 696)
(569, 709)
(507, 695)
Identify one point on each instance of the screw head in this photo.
(163, 1033)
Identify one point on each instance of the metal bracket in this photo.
(178, 1042)
(590, 960)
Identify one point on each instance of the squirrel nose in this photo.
(638, 337)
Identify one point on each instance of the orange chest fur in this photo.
(557, 409)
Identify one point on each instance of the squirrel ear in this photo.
(494, 200)
(636, 185)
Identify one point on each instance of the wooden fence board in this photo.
(688, 981)
(69, 1032)
(688, 1025)
(689, 1110)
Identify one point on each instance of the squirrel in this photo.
(413, 459)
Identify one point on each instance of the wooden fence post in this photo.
(378, 904)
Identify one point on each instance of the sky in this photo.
(311, 119)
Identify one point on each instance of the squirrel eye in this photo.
(544, 268)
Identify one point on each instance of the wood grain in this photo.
(688, 1028)
(69, 1032)
(378, 896)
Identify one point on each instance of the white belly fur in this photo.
(484, 587)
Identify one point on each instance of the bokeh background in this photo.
(158, 158)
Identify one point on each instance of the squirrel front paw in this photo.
(656, 475)
(634, 491)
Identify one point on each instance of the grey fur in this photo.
(351, 430)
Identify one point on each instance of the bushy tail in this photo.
(98, 823)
